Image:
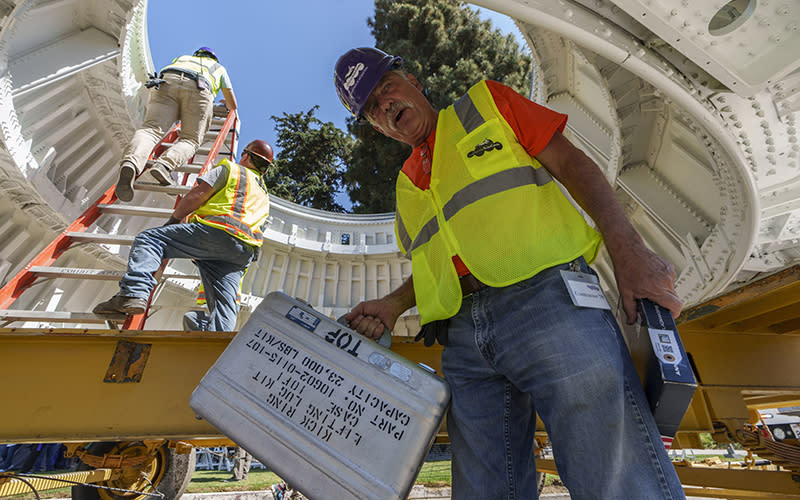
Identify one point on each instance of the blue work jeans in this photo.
(221, 258)
(526, 348)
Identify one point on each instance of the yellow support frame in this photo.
(13, 486)
(744, 346)
(54, 380)
(70, 385)
(64, 384)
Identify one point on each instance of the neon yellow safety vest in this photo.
(200, 300)
(490, 203)
(205, 67)
(240, 208)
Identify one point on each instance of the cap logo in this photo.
(353, 75)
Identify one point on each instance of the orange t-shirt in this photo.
(534, 126)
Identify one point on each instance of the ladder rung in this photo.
(205, 151)
(134, 210)
(211, 138)
(112, 239)
(207, 138)
(75, 272)
(178, 276)
(95, 274)
(58, 316)
(151, 186)
(189, 168)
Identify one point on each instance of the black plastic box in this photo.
(663, 366)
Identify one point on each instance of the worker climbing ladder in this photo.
(220, 140)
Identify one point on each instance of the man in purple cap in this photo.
(500, 277)
(184, 91)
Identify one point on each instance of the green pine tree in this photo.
(312, 157)
(446, 45)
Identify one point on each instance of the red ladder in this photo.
(41, 266)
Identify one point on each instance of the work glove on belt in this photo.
(435, 331)
(154, 81)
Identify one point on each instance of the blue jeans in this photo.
(221, 258)
(526, 348)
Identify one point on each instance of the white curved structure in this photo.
(690, 108)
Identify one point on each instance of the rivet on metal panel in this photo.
(128, 362)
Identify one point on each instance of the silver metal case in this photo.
(333, 413)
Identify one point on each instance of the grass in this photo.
(208, 481)
(433, 474)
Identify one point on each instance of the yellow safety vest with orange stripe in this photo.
(205, 67)
(490, 203)
(240, 208)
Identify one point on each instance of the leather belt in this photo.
(470, 284)
(190, 76)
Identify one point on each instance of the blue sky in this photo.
(280, 55)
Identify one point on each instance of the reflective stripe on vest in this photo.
(402, 236)
(239, 208)
(496, 183)
(468, 114)
(236, 226)
(490, 203)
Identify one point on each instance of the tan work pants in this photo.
(177, 99)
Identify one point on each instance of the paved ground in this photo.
(418, 493)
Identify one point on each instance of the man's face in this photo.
(397, 109)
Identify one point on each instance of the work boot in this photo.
(160, 173)
(121, 304)
(124, 187)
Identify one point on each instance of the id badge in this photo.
(584, 289)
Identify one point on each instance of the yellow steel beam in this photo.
(739, 371)
(68, 385)
(417, 352)
(692, 491)
(744, 360)
(770, 482)
(722, 482)
(546, 465)
(762, 306)
(54, 382)
(9, 485)
(203, 443)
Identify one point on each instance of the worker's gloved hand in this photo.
(435, 331)
(154, 81)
